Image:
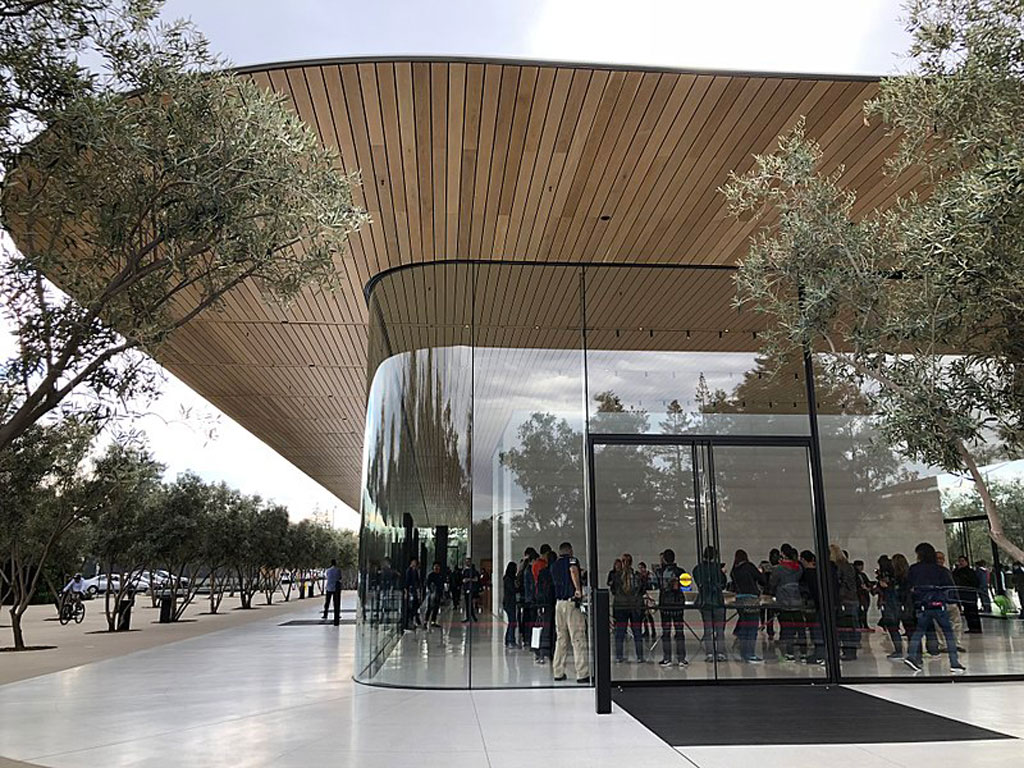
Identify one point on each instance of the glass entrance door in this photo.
(708, 552)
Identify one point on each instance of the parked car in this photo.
(97, 585)
(161, 578)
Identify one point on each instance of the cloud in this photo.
(817, 36)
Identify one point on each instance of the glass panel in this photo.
(880, 506)
(758, 583)
(646, 503)
(668, 352)
(416, 482)
(528, 481)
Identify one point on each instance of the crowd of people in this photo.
(542, 596)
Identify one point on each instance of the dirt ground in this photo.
(78, 644)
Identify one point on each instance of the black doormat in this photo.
(312, 622)
(785, 714)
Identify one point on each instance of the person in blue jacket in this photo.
(932, 588)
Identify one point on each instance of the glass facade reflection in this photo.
(504, 398)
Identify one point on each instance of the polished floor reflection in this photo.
(439, 658)
(266, 695)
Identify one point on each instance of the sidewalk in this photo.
(78, 644)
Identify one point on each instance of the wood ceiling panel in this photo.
(512, 162)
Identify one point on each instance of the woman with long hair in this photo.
(508, 603)
(908, 616)
(844, 579)
(889, 602)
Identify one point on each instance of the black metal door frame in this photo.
(602, 661)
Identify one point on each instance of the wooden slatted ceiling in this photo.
(480, 160)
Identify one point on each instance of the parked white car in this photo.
(97, 585)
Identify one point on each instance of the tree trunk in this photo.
(213, 590)
(19, 636)
(995, 522)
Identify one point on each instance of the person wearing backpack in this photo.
(545, 605)
(789, 604)
(812, 607)
(671, 605)
(627, 607)
(529, 590)
(709, 577)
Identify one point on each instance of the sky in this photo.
(810, 36)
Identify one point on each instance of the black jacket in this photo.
(747, 579)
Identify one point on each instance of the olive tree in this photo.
(157, 187)
(125, 494)
(180, 528)
(923, 300)
(299, 553)
(42, 502)
(218, 543)
(272, 536)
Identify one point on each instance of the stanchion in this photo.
(602, 652)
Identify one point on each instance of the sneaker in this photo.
(789, 657)
(754, 660)
(709, 657)
(583, 680)
(959, 669)
(560, 678)
(914, 664)
(665, 663)
(721, 657)
(620, 661)
(542, 661)
(895, 656)
(682, 663)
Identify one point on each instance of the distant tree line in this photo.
(178, 539)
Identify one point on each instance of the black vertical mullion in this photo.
(713, 524)
(827, 606)
(697, 471)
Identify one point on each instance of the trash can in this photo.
(166, 609)
(124, 614)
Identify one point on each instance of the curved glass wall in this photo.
(496, 389)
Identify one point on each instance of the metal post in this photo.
(602, 652)
(827, 607)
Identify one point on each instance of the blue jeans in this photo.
(747, 619)
(672, 619)
(511, 629)
(925, 618)
(713, 619)
(632, 618)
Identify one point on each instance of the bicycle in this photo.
(71, 609)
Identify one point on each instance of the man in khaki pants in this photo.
(953, 609)
(570, 625)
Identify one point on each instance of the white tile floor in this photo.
(266, 695)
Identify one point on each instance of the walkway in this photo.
(271, 695)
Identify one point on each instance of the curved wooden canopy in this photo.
(501, 160)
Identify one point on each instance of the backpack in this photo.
(671, 590)
(529, 588)
(545, 592)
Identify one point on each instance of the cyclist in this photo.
(75, 588)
